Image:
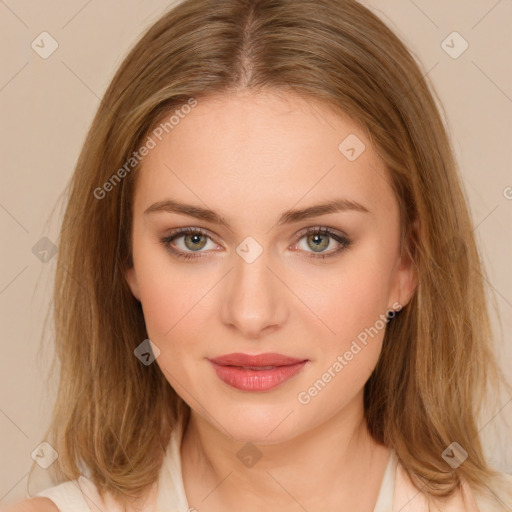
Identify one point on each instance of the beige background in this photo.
(48, 104)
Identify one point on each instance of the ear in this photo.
(131, 279)
(405, 279)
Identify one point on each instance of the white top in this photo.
(396, 492)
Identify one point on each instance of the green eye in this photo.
(318, 239)
(195, 239)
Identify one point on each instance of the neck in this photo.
(336, 461)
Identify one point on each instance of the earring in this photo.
(390, 313)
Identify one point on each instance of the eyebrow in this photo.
(287, 217)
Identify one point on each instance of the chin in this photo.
(270, 424)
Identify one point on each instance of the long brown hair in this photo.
(437, 362)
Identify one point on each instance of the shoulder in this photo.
(38, 504)
(69, 496)
(80, 495)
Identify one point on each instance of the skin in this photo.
(33, 505)
(251, 156)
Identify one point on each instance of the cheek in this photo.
(171, 303)
(346, 301)
(352, 304)
(166, 291)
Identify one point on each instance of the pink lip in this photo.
(233, 370)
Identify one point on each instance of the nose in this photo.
(254, 301)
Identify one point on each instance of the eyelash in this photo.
(342, 239)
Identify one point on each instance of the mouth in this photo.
(261, 372)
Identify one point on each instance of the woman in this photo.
(328, 346)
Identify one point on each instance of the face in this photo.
(233, 254)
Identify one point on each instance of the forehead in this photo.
(263, 150)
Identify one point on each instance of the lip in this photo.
(267, 359)
(241, 370)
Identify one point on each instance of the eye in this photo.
(196, 239)
(320, 238)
